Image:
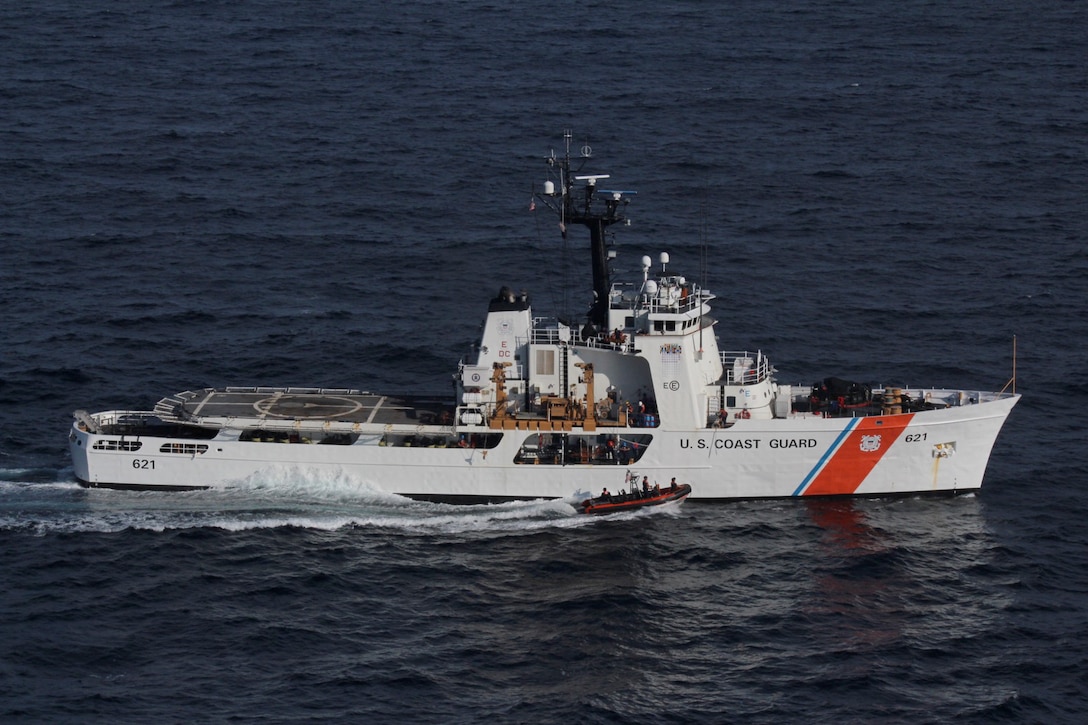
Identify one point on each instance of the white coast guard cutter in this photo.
(545, 410)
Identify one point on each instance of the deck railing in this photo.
(744, 368)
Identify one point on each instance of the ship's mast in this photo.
(594, 208)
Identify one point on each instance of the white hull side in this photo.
(934, 451)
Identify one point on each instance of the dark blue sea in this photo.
(207, 193)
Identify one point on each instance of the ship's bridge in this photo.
(665, 306)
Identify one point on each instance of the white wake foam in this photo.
(281, 497)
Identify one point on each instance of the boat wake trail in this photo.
(276, 498)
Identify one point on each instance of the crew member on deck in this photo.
(625, 453)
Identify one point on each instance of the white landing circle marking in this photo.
(307, 406)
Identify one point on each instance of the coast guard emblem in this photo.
(870, 443)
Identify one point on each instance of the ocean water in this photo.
(276, 193)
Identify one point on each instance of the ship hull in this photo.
(933, 451)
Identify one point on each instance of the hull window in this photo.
(189, 449)
(112, 445)
(256, 435)
(486, 441)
